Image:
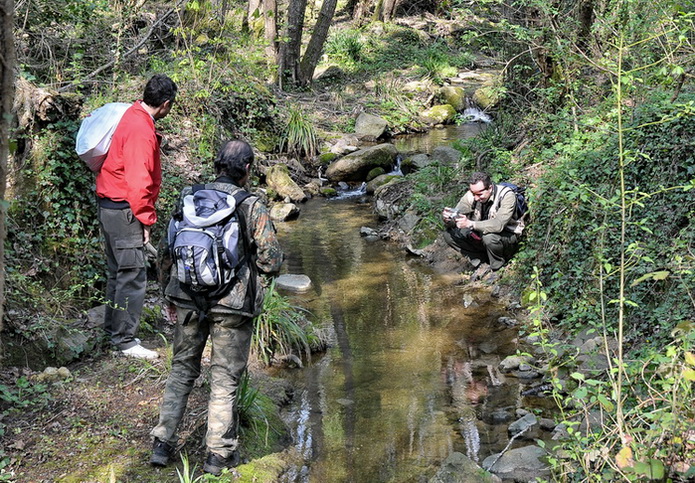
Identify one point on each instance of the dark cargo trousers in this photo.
(494, 248)
(126, 282)
(230, 336)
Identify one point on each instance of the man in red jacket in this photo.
(127, 188)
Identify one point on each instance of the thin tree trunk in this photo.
(389, 9)
(270, 15)
(361, 11)
(7, 60)
(318, 38)
(252, 13)
(290, 50)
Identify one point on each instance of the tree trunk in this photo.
(389, 10)
(318, 38)
(7, 59)
(290, 50)
(270, 15)
(361, 11)
(252, 14)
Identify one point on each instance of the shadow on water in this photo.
(411, 374)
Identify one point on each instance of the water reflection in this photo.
(445, 136)
(408, 379)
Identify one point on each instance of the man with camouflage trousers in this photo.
(228, 324)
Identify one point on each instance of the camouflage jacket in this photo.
(265, 258)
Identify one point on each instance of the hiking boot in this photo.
(139, 352)
(161, 452)
(214, 463)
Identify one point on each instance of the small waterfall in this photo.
(346, 192)
(396, 171)
(472, 113)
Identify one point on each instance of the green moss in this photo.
(374, 173)
(326, 158)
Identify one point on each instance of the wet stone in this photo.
(293, 283)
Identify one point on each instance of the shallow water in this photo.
(444, 136)
(411, 374)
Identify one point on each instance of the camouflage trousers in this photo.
(230, 336)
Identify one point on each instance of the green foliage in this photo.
(52, 222)
(186, 474)
(434, 187)
(24, 395)
(281, 328)
(345, 46)
(299, 136)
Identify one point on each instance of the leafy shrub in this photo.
(345, 45)
(280, 329)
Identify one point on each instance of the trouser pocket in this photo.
(129, 252)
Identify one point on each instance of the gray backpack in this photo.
(204, 240)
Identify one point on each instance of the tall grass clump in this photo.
(281, 329)
(299, 136)
(345, 46)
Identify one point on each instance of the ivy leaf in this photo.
(689, 374)
(690, 358)
(606, 403)
(624, 458)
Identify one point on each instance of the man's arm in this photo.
(269, 255)
(465, 204)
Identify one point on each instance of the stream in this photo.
(411, 374)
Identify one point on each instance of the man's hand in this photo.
(462, 221)
(171, 312)
(146, 234)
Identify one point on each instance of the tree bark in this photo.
(7, 61)
(361, 11)
(290, 50)
(389, 9)
(318, 38)
(270, 15)
(252, 13)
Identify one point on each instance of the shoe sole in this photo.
(157, 460)
(213, 470)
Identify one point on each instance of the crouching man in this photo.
(484, 225)
(227, 322)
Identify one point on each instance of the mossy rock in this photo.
(454, 96)
(326, 158)
(375, 172)
(441, 114)
(328, 192)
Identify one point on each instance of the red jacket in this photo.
(132, 170)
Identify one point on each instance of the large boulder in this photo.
(278, 179)
(356, 166)
(454, 96)
(370, 127)
(441, 114)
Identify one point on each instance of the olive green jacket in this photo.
(502, 214)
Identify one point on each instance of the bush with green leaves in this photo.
(281, 329)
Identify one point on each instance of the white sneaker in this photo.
(139, 352)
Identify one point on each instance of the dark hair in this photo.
(158, 90)
(480, 176)
(233, 158)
